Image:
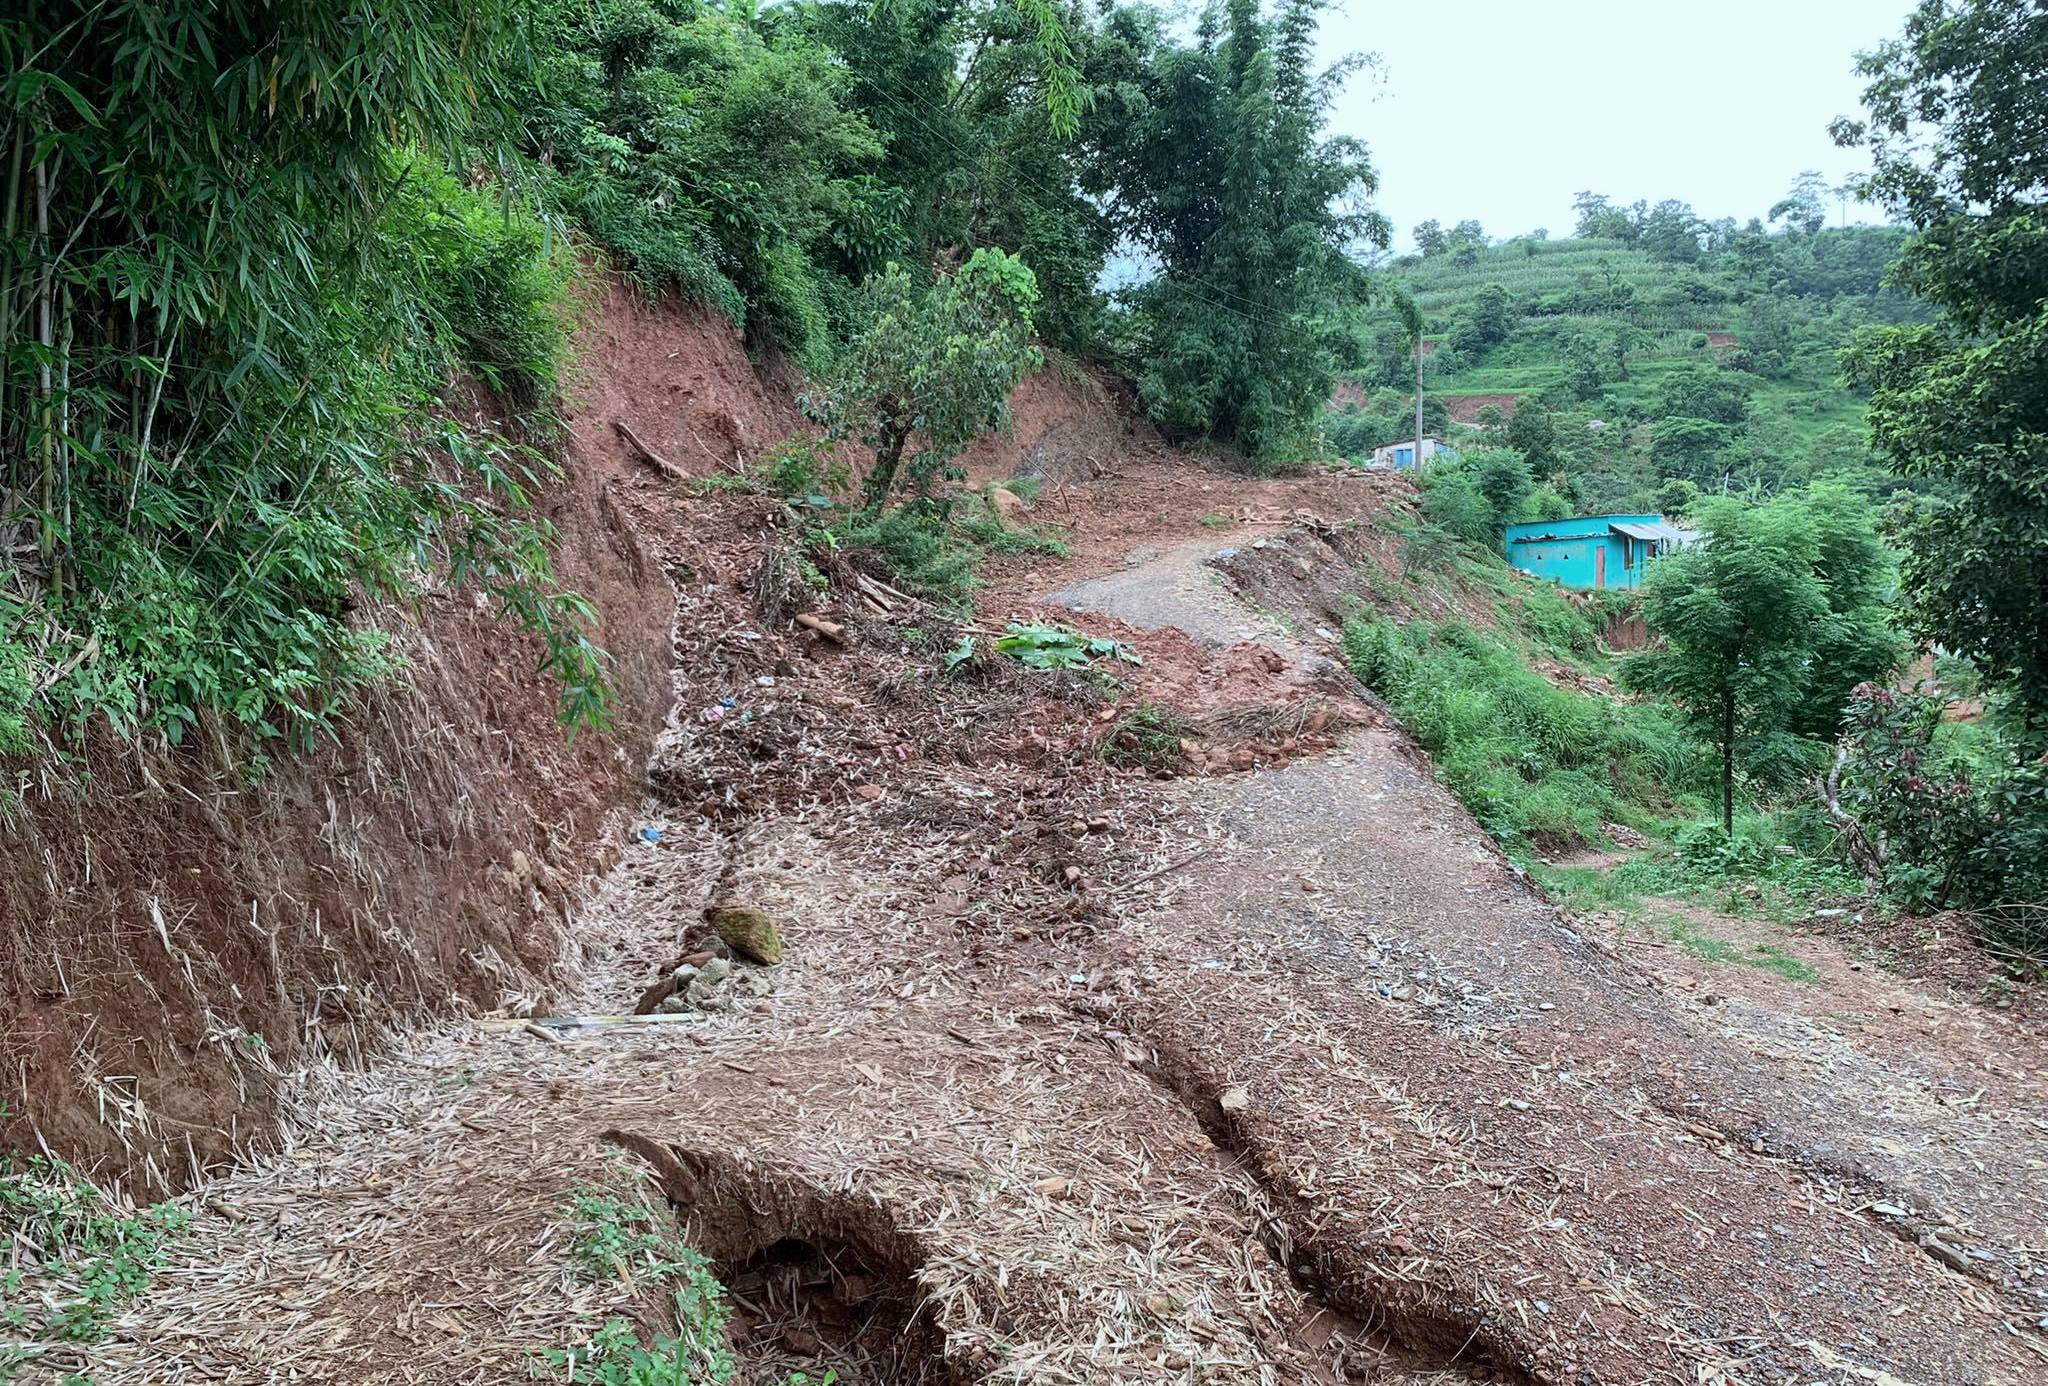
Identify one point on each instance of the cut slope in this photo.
(173, 937)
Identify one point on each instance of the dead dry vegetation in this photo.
(1175, 1029)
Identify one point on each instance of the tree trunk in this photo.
(882, 476)
(1418, 400)
(1728, 763)
(1867, 853)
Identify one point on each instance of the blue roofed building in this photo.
(1402, 456)
(1594, 550)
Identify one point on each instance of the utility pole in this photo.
(1418, 398)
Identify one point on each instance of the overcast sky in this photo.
(1501, 110)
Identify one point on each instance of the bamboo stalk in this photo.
(10, 221)
(45, 539)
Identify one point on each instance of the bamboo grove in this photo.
(251, 247)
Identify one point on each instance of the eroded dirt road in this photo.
(1276, 1074)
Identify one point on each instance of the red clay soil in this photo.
(1037, 1009)
(173, 937)
(1465, 408)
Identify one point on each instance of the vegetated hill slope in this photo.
(1612, 339)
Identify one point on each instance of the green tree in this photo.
(1253, 216)
(1600, 218)
(1547, 503)
(1704, 392)
(236, 278)
(1467, 239)
(714, 153)
(1735, 618)
(1803, 209)
(978, 150)
(1679, 443)
(1502, 476)
(1533, 433)
(1672, 232)
(1452, 502)
(1677, 498)
(1493, 315)
(934, 365)
(1954, 134)
(1430, 238)
(1769, 625)
(1586, 359)
(1857, 643)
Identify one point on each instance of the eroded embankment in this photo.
(175, 936)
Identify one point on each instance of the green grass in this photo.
(619, 1238)
(1688, 934)
(1541, 767)
(76, 1257)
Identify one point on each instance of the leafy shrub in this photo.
(1536, 764)
(494, 276)
(916, 545)
(1057, 647)
(1453, 502)
(712, 155)
(1942, 822)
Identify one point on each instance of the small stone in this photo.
(1234, 1099)
(747, 931)
(652, 999)
(870, 792)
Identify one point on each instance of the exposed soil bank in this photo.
(173, 937)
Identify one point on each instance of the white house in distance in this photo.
(1401, 456)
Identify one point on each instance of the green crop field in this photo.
(1614, 340)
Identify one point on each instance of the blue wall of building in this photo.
(1585, 552)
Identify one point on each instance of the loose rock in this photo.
(747, 931)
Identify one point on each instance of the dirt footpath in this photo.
(1071, 1074)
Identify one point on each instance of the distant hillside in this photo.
(1714, 365)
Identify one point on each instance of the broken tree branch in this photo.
(831, 630)
(648, 455)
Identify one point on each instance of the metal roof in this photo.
(1656, 532)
